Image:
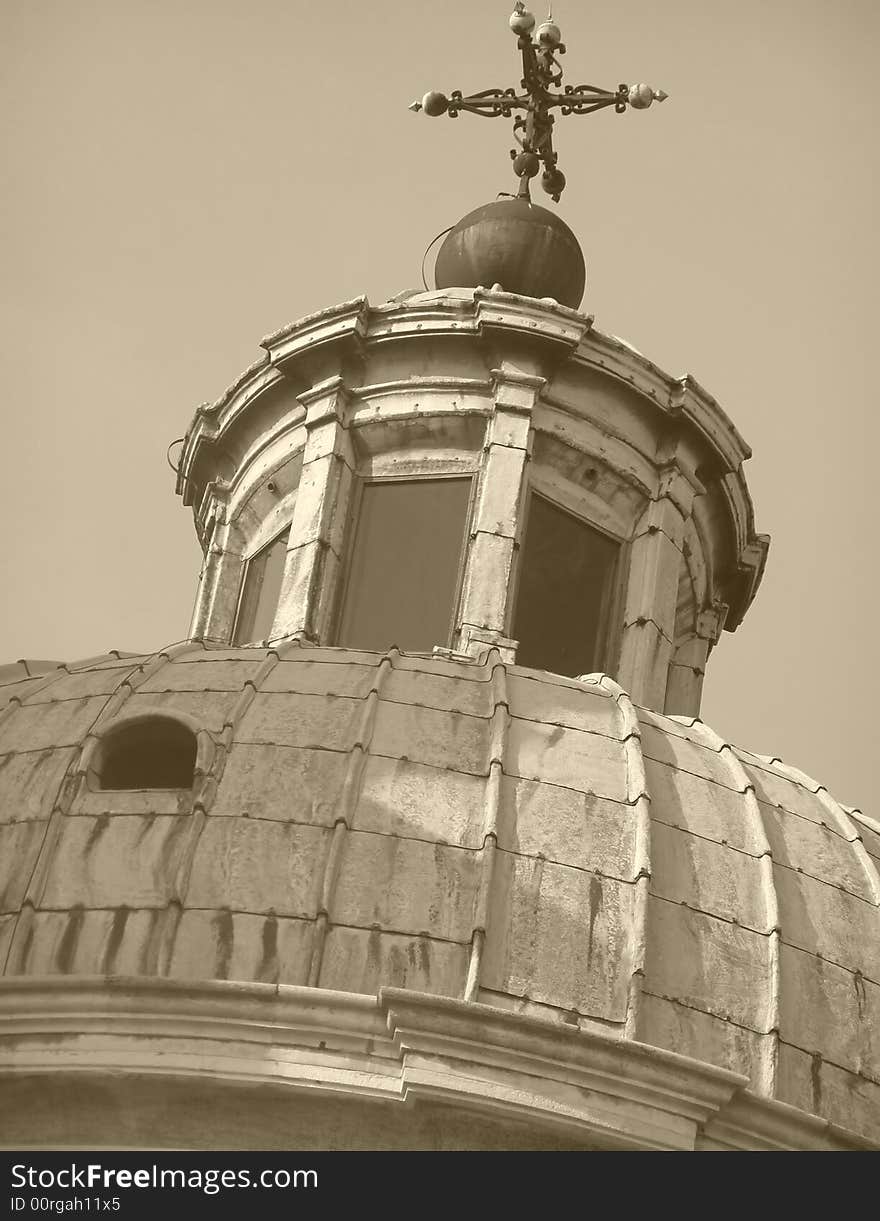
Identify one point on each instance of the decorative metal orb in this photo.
(526, 165)
(517, 244)
(549, 34)
(553, 181)
(641, 97)
(435, 103)
(522, 21)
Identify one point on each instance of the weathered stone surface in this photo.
(42, 726)
(707, 964)
(539, 698)
(203, 675)
(560, 936)
(691, 1032)
(567, 827)
(687, 756)
(230, 945)
(708, 876)
(258, 866)
(829, 1011)
(425, 735)
(29, 782)
(80, 942)
(701, 806)
(587, 762)
(289, 783)
(807, 846)
(824, 920)
(357, 960)
(309, 677)
(406, 886)
(209, 709)
(110, 861)
(325, 723)
(394, 800)
(473, 697)
(20, 843)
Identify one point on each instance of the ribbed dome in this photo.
(470, 830)
(513, 242)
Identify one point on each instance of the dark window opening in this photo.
(158, 753)
(260, 591)
(405, 566)
(565, 587)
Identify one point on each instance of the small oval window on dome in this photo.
(153, 753)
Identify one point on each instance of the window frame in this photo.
(351, 527)
(610, 631)
(246, 562)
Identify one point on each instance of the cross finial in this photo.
(542, 76)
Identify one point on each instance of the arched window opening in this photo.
(405, 568)
(566, 584)
(260, 590)
(154, 753)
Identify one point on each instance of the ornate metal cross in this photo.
(534, 132)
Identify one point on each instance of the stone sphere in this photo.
(517, 244)
(553, 181)
(526, 165)
(549, 34)
(522, 22)
(435, 103)
(641, 97)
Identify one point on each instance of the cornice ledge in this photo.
(34, 1004)
(542, 317)
(424, 382)
(493, 1039)
(212, 419)
(688, 398)
(612, 356)
(752, 1123)
(751, 563)
(349, 319)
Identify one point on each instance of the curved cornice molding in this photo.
(396, 1048)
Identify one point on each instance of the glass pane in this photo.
(259, 597)
(566, 575)
(403, 580)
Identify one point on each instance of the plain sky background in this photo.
(184, 177)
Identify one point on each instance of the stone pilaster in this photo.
(486, 604)
(646, 644)
(684, 686)
(311, 573)
(219, 584)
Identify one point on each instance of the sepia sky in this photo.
(183, 178)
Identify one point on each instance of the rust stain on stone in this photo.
(147, 823)
(595, 908)
(374, 953)
(28, 938)
(70, 939)
(816, 1083)
(114, 941)
(225, 930)
(267, 971)
(859, 985)
(100, 825)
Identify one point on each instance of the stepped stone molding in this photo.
(405, 1053)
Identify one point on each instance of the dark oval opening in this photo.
(158, 753)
